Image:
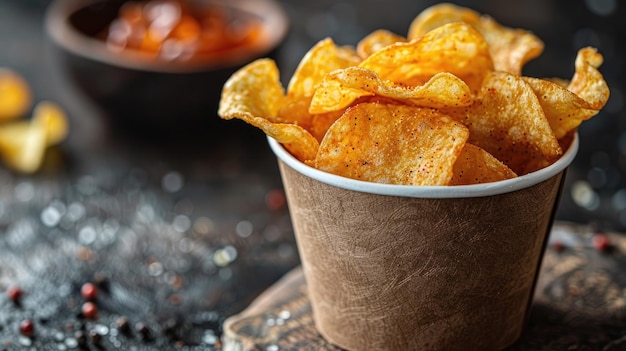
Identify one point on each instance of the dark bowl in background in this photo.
(151, 95)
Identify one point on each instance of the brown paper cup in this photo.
(393, 267)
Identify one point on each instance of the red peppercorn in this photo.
(14, 293)
(27, 327)
(558, 246)
(89, 291)
(601, 242)
(89, 310)
(275, 199)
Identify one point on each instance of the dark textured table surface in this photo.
(181, 231)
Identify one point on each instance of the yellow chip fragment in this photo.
(52, 118)
(15, 95)
(22, 145)
(587, 82)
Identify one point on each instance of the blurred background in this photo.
(194, 216)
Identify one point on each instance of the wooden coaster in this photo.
(580, 302)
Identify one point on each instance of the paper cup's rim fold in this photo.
(456, 191)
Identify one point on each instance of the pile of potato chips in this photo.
(23, 142)
(445, 105)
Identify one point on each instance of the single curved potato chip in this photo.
(455, 48)
(507, 120)
(394, 144)
(255, 90)
(567, 104)
(15, 95)
(438, 15)
(296, 139)
(564, 110)
(341, 88)
(377, 40)
(476, 166)
(323, 121)
(321, 59)
(23, 143)
(254, 94)
(510, 48)
(588, 82)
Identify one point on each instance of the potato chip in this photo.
(295, 110)
(588, 82)
(322, 121)
(508, 121)
(510, 48)
(564, 110)
(254, 94)
(476, 166)
(254, 90)
(15, 95)
(438, 15)
(456, 48)
(567, 140)
(296, 139)
(342, 87)
(377, 40)
(22, 145)
(393, 144)
(558, 81)
(567, 104)
(53, 120)
(321, 59)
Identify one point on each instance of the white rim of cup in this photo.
(440, 191)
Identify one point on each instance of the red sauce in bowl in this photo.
(174, 30)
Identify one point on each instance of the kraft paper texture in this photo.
(395, 273)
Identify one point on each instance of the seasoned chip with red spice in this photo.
(391, 143)
(510, 48)
(456, 48)
(507, 120)
(254, 94)
(377, 40)
(476, 166)
(341, 88)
